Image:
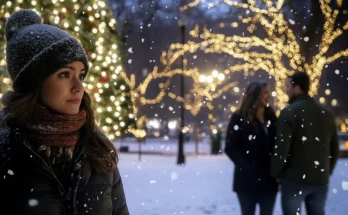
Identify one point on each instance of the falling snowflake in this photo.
(130, 61)
(304, 138)
(153, 182)
(306, 39)
(292, 22)
(334, 190)
(236, 127)
(317, 138)
(304, 176)
(316, 163)
(250, 137)
(10, 172)
(173, 176)
(345, 185)
(33, 202)
(130, 50)
(337, 72)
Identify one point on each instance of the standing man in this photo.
(306, 150)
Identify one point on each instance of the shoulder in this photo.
(236, 117)
(5, 137)
(5, 131)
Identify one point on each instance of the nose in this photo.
(77, 85)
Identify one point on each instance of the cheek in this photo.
(51, 93)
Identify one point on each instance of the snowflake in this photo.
(33, 202)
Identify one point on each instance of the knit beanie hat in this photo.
(35, 51)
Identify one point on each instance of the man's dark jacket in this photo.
(306, 147)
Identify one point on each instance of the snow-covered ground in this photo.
(157, 186)
(164, 146)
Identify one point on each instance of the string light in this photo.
(102, 82)
(280, 43)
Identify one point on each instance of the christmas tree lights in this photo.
(91, 22)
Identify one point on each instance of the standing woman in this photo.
(53, 158)
(249, 142)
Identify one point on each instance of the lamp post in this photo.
(181, 157)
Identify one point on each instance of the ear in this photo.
(297, 89)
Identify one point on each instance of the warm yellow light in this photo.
(334, 102)
(210, 79)
(234, 24)
(327, 91)
(202, 78)
(221, 77)
(322, 100)
(215, 73)
(233, 109)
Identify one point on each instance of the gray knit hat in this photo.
(35, 51)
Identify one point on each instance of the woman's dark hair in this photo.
(250, 101)
(300, 79)
(21, 110)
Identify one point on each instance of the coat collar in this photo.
(300, 98)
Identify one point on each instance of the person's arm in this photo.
(119, 204)
(234, 143)
(285, 127)
(334, 148)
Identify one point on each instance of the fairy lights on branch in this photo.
(279, 43)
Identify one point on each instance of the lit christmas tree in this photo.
(91, 22)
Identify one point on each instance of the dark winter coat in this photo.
(249, 146)
(307, 147)
(30, 187)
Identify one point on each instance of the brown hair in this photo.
(100, 151)
(250, 100)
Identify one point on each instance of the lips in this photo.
(74, 101)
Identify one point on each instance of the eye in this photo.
(82, 76)
(64, 75)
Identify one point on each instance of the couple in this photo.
(298, 151)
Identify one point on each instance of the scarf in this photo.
(54, 135)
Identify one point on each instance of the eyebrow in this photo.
(73, 68)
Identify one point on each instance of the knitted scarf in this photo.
(54, 134)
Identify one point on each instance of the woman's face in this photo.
(63, 91)
(265, 96)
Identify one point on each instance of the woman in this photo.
(53, 158)
(249, 143)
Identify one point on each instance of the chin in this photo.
(69, 112)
